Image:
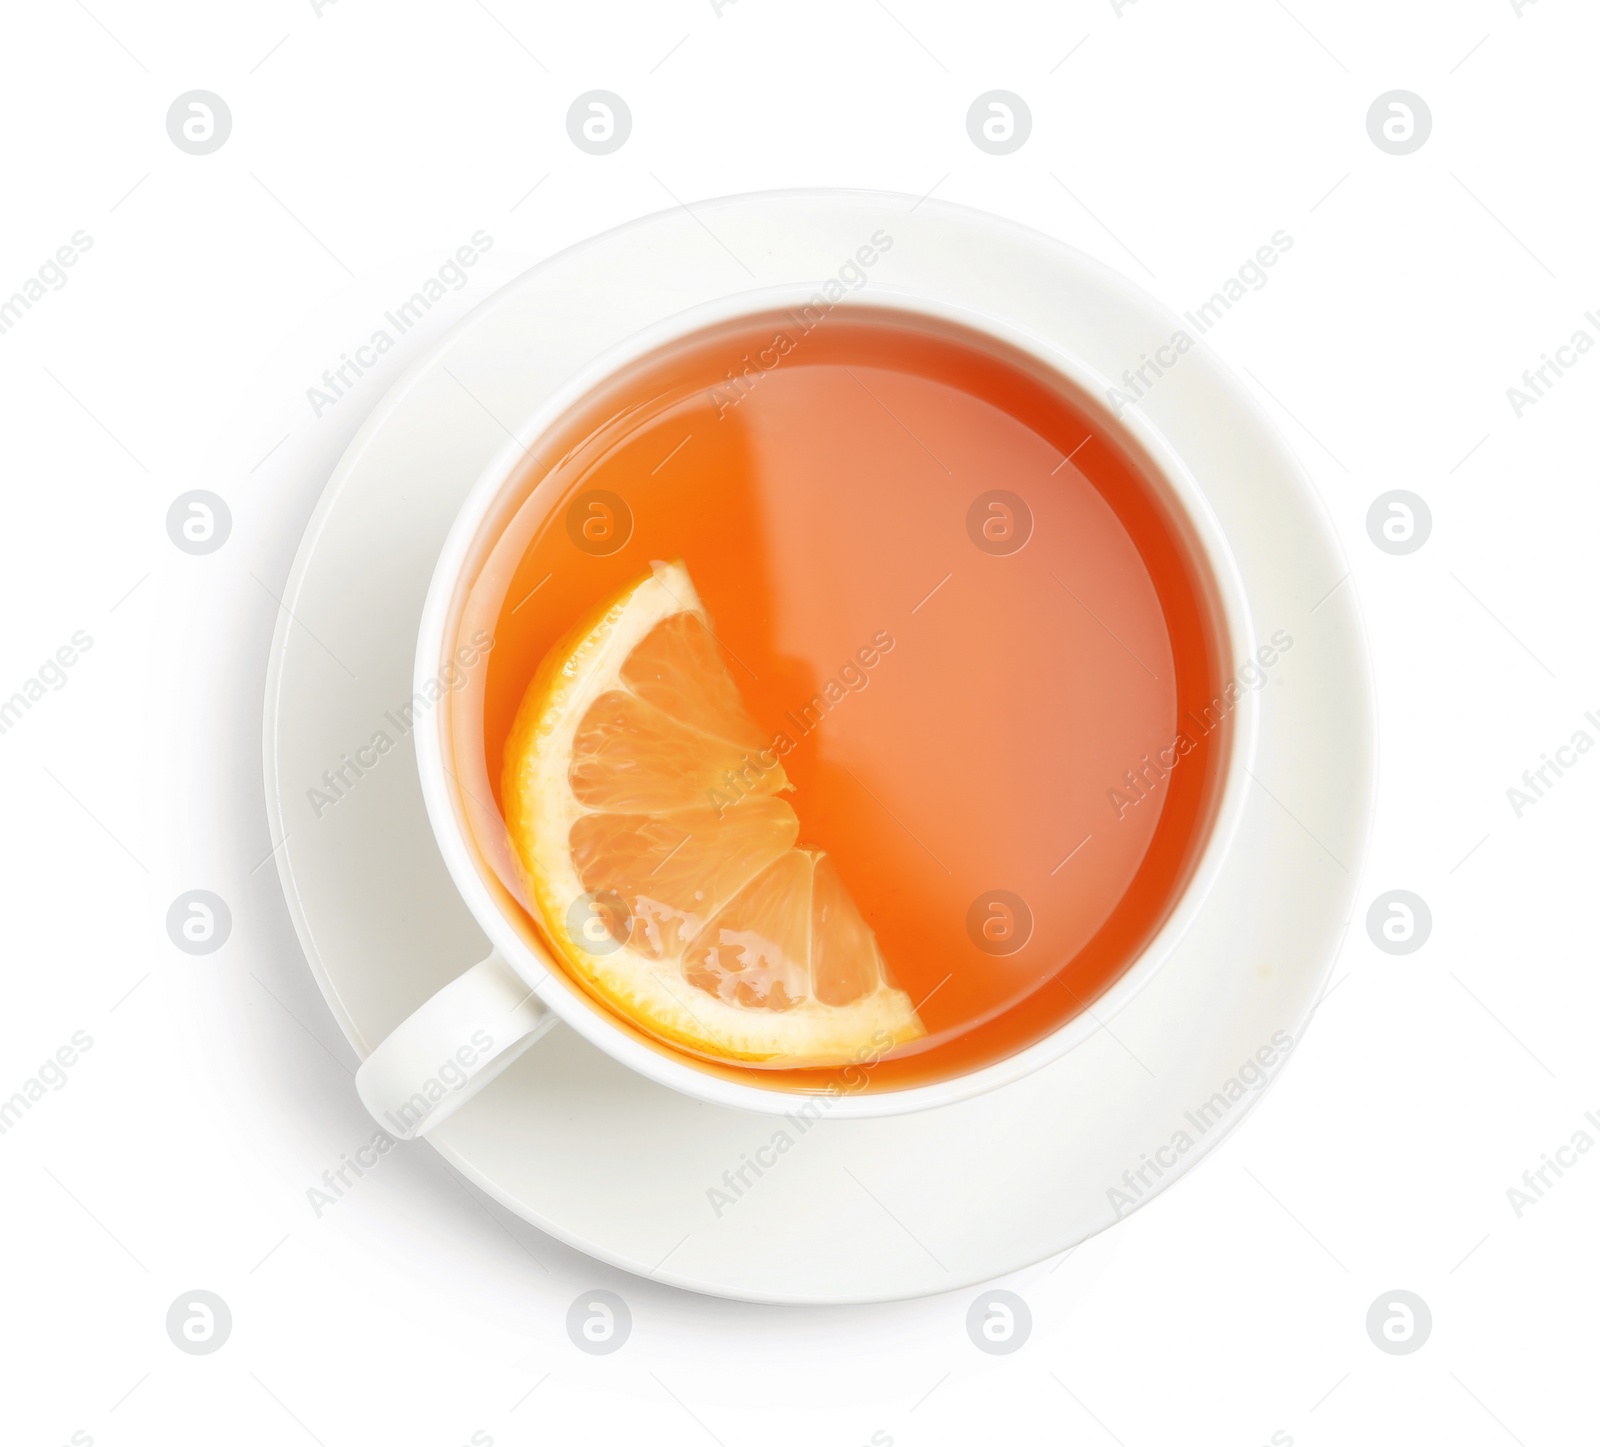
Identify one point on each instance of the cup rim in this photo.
(546, 978)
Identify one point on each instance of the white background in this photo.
(1171, 141)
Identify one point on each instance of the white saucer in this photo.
(856, 1210)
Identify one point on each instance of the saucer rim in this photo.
(1311, 508)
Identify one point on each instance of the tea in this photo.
(954, 597)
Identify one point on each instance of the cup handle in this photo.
(444, 1053)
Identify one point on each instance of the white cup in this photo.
(475, 1027)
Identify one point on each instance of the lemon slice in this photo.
(642, 800)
